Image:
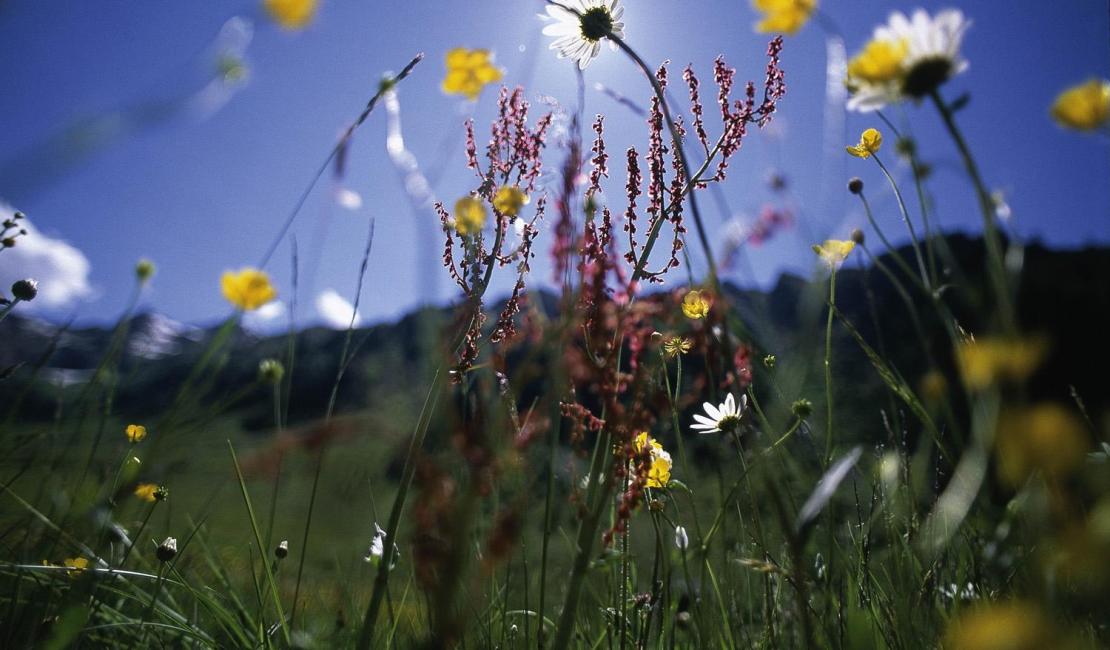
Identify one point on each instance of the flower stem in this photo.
(828, 370)
(906, 220)
(996, 266)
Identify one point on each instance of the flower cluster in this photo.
(11, 230)
(513, 165)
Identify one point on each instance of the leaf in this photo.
(69, 625)
(7, 372)
(675, 484)
(826, 487)
(960, 103)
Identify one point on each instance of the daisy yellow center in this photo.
(879, 62)
(596, 23)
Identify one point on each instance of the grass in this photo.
(502, 497)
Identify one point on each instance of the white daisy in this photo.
(580, 25)
(721, 418)
(907, 57)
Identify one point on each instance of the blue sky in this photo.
(201, 195)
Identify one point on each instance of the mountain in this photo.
(1063, 294)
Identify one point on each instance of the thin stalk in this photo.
(366, 635)
(997, 268)
(906, 220)
(828, 371)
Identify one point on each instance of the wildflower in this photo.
(282, 550)
(785, 16)
(248, 289)
(1046, 438)
(723, 418)
(769, 361)
(933, 386)
(681, 539)
(147, 492)
(677, 345)
(270, 371)
(985, 361)
(1083, 107)
(291, 14)
(890, 468)
(470, 215)
(509, 200)
(695, 305)
(377, 548)
(1002, 626)
(660, 472)
(167, 550)
(907, 57)
(580, 25)
(75, 565)
(144, 270)
(869, 143)
(834, 251)
(135, 433)
(802, 408)
(469, 71)
(25, 290)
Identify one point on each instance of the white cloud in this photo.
(335, 311)
(348, 198)
(266, 319)
(61, 270)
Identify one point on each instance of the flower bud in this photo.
(8, 242)
(802, 408)
(270, 371)
(857, 236)
(144, 270)
(681, 539)
(282, 550)
(769, 361)
(855, 185)
(25, 290)
(19, 215)
(167, 550)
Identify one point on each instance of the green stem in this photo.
(906, 220)
(996, 265)
(366, 635)
(828, 370)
